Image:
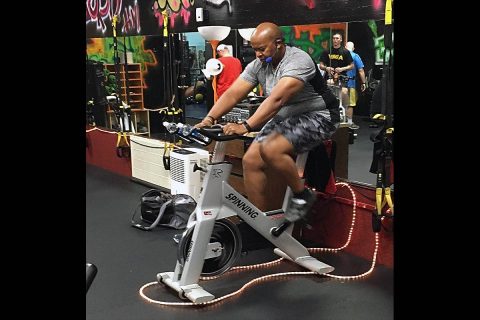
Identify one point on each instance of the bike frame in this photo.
(219, 200)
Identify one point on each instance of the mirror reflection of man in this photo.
(352, 85)
(335, 62)
(232, 67)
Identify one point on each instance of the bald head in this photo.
(350, 46)
(266, 31)
(267, 41)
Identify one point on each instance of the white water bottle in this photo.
(185, 129)
(192, 132)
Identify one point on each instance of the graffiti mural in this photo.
(312, 38)
(145, 17)
(377, 4)
(101, 49)
(101, 12)
(379, 43)
(174, 8)
(310, 4)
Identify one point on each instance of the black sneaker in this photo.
(298, 208)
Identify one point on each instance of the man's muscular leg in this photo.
(254, 177)
(264, 188)
(277, 152)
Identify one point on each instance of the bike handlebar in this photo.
(215, 132)
(203, 136)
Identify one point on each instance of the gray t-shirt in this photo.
(297, 64)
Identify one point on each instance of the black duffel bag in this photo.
(158, 208)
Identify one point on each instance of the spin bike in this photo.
(336, 85)
(211, 243)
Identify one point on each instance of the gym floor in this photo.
(128, 258)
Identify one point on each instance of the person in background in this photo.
(232, 67)
(299, 113)
(337, 62)
(351, 84)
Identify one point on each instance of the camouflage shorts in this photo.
(304, 131)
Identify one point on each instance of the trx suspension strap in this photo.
(169, 71)
(385, 136)
(167, 67)
(121, 110)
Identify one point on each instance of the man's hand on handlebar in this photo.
(204, 123)
(228, 129)
(234, 128)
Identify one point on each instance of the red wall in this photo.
(333, 218)
(101, 151)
